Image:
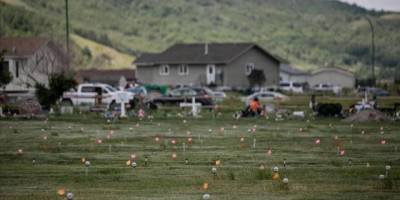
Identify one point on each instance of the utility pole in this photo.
(373, 49)
(67, 26)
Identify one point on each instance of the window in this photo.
(249, 68)
(17, 65)
(164, 70)
(183, 70)
(88, 89)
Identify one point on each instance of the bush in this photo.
(329, 109)
(58, 84)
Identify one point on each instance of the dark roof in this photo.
(291, 70)
(217, 53)
(109, 76)
(21, 46)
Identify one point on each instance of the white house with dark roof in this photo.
(223, 64)
(30, 60)
(288, 73)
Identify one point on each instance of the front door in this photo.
(210, 74)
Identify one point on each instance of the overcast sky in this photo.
(390, 5)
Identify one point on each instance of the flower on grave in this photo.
(70, 196)
(336, 137)
(141, 113)
(130, 129)
(363, 132)
(269, 152)
(342, 152)
(301, 129)
(210, 130)
(61, 191)
(242, 139)
(381, 177)
(381, 128)
(108, 136)
(383, 141)
(20, 152)
(184, 121)
(44, 137)
(99, 141)
(206, 196)
(173, 141)
(218, 162)
(133, 164)
(205, 185)
(285, 180)
(133, 156)
(368, 165)
(157, 139)
(87, 163)
(111, 132)
(317, 141)
(108, 121)
(190, 140)
(137, 125)
(214, 170)
(222, 129)
(275, 176)
(173, 156)
(128, 163)
(262, 167)
(234, 127)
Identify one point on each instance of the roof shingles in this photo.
(198, 53)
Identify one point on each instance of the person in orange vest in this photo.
(255, 107)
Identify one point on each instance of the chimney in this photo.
(206, 48)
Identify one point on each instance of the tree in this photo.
(58, 84)
(256, 77)
(5, 75)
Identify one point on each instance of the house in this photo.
(30, 60)
(334, 76)
(288, 73)
(222, 64)
(108, 76)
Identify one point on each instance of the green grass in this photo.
(314, 171)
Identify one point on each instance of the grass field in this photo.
(315, 171)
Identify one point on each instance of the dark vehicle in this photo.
(374, 91)
(177, 96)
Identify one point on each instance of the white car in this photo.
(266, 96)
(89, 93)
(291, 87)
(326, 87)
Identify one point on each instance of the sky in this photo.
(389, 5)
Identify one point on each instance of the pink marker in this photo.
(317, 141)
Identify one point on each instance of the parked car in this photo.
(137, 91)
(291, 87)
(217, 96)
(177, 96)
(265, 97)
(89, 93)
(325, 87)
(374, 91)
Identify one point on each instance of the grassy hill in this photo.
(309, 33)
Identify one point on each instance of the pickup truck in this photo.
(90, 93)
(177, 96)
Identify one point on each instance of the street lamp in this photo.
(373, 49)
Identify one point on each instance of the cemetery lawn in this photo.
(314, 171)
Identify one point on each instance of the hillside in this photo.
(309, 33)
